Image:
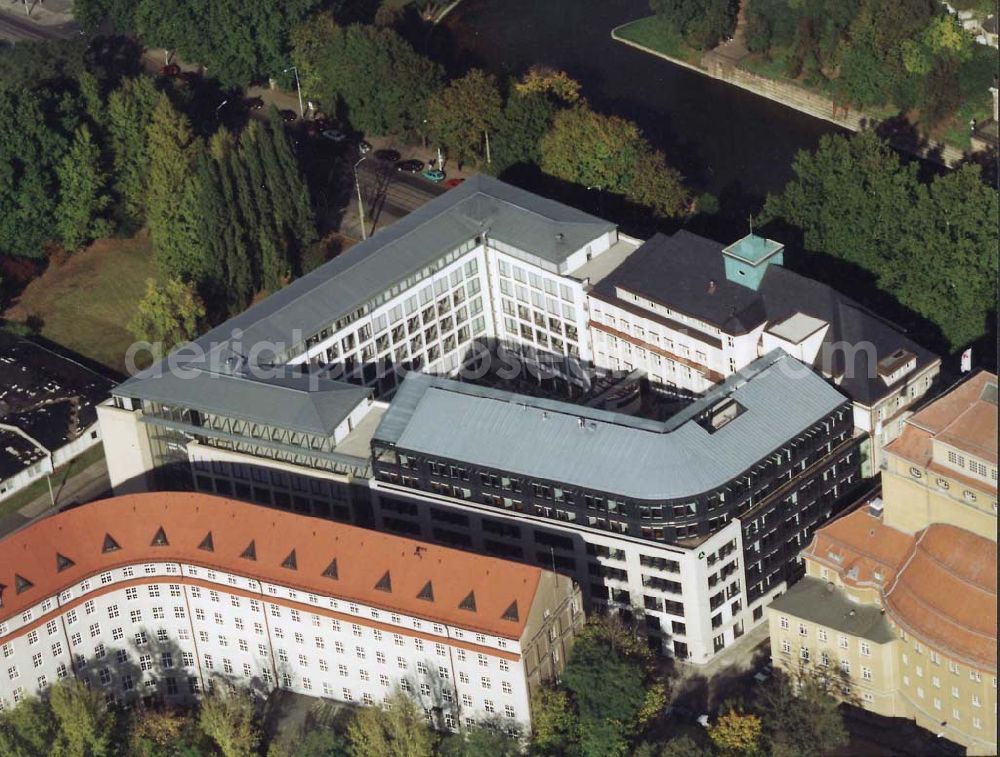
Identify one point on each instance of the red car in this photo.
(171, 69)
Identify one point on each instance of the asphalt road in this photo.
(17, 28)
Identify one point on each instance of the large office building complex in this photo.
(165, 593)
(692, 523)
(689, 311)
(900, 596)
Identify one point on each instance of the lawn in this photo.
(86, 302)
(654, 33)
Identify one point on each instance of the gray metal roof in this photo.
(312, 405)
(816, 601)
(606, 451)
(481, 204)
(545, 228)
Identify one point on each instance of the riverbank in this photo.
(723, 63)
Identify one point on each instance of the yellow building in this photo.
(899, 598)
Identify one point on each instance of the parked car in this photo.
(334, 135)
(364, 147)
(389, 156)
(452, 183)
(288, 116)
(170, 69)
(254, 103)
(433, 174)
(410, 166)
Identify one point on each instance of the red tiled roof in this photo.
(293, 550)
(940, 584)
(962, 418)
(946, 593)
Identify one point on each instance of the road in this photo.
(51, 21)
(86, 485)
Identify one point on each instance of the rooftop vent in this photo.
(875, 507)
(21, 584)
(63, 562)
(110, 545)
(206, 543)
(160, 538)
(427, 593)
(290, 562)
(331, 569)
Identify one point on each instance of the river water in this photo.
(725, 140)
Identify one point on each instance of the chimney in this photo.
(711, 286)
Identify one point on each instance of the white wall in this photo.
(216, 623)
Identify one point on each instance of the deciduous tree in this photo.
(130, 111)
(170, 314)
(83, 723)
(396, 729)
(462, 115)
(82, 195)
(228, 719)
(736, 733)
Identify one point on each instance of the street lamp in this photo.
(361, 202)
(298, 88)
(219, 107)
(600, 196)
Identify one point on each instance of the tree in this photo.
(163, 733)
(84, 724)
(953, 233)
(702, 23)
(130, 111)
(854, 200)
(525, 119)
(82, 197)
(609, 152)
(173, 192)
(543, 80)
(462, 115)
(382, 82)
(239, 41)
(312, 741)
(486, 740)
(684, 746)
(658, 186)
(33, 144)
(801, 720)
(851, 197)
(228, 719)
(591, 149)
(27, 730)
(169, 315)
(736, 733)
(553, 721)
(397, 729)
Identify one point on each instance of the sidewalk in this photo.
(88, 484)
(39, 19)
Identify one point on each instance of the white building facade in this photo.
(144, 626)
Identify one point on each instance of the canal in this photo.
(725, 140)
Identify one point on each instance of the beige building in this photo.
(899, 598)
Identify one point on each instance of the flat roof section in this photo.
(820, 602)
(606, 451)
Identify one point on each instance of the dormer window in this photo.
(892, 368)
